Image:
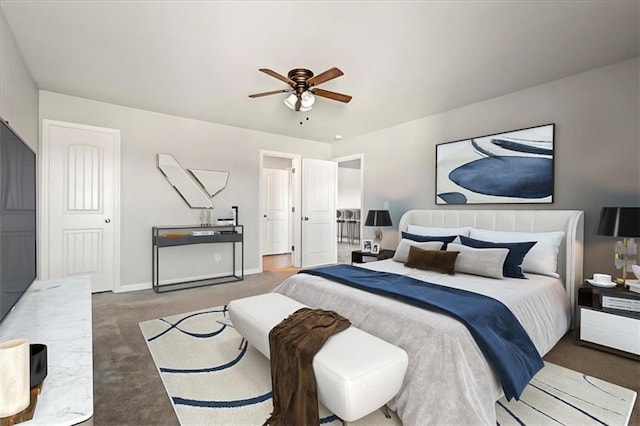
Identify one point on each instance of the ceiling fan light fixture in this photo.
(290, 101)
(307, 100)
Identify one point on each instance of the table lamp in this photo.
(622, 222)
(378, 218)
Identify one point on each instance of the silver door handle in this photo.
(107, 221)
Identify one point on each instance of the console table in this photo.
(172, 236)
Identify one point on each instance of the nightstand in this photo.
(358, 256)
(610, 319)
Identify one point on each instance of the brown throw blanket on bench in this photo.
(293, 343)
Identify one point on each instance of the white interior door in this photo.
(276, 212)
(319, 189)
(80, 166)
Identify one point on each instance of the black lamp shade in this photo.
(378, 218)
(620, 222)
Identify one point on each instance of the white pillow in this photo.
(543, 256)
(402, 252)
(437, 231)
(479, 261)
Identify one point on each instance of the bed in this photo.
(449, 381)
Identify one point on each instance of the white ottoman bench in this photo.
(356, 372)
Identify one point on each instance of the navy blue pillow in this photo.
(513, 262)
(426, 238)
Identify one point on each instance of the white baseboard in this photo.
(147, 285)
(133, 287)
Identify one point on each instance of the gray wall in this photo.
(148, 200)
(18, 91)
(276, 163)
(349, 190)
(597, 149)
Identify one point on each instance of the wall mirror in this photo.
(211, 180)
(188, 189)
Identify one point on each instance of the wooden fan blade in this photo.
(329, 74)
(278, 76)
(273, 92)
(331, 95)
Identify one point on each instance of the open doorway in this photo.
(349, 214)
(309, 232)
(278, 201)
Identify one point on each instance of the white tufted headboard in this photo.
(569, 221)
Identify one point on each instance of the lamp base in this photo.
(625, 256)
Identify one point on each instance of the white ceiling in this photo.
(401, 60)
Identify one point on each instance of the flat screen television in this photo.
(17, 218)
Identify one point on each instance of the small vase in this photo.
(38, 364)
(14, 377)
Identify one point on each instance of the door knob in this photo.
(305, 218)
(264, 215)
(107, 221)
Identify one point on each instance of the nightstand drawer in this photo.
(610, 330)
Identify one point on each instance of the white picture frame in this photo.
(366, 246)
(375, 248)
(513, 167)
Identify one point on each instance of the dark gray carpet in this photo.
(127, 389)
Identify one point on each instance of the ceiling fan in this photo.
(303, 82)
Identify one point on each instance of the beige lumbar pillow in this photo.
(402, 252)
(487, 262)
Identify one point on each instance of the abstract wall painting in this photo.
(510, 167)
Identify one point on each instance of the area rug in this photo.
(213, 379)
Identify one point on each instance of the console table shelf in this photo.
(172, 236)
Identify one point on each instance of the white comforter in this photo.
(448, 380)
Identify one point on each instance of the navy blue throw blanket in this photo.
(498, 333)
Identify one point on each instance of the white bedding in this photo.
(448, 380)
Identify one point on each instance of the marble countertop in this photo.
(58, 314)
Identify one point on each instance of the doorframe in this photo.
(43, 197)
(296, 218)
(360, 157)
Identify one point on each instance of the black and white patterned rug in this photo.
(211, 380)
